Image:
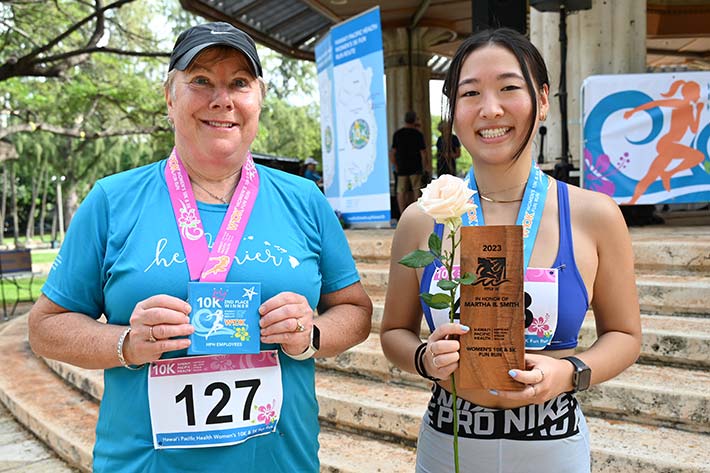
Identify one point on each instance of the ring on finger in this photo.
(433, 361)
(299, 326)
(542, 374)
(151, 337)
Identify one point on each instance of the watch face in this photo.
(316, 337)
(584, 377)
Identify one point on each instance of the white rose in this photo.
(446, 199)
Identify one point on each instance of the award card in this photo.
(225, 316)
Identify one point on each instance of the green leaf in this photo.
(435, 244)
(468, 278)
(446, 285)
(436, 301)
(417, 259)
(706, 166)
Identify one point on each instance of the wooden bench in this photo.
(16, 268)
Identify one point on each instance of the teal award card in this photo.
(225, 317)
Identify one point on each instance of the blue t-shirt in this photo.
(123, 246)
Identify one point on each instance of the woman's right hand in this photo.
(441, 357)
(163, 317)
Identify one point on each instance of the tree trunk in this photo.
(13, 202)
(36, 184)
(43, 205)
(71, 203)
(3, 202)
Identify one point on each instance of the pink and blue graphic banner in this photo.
(646, 136)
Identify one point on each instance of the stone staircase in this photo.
(655, 417)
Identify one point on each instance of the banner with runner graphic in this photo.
(350, 66)
(645, 138)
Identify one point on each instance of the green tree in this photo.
(81, 97)
(289, 124)
(88, 93)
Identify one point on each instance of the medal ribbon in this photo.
(529, 215)
(205, 265)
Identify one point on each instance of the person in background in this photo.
(410, 159)
(447, 152)
(141, 236)
(497, 88)
(311, 173)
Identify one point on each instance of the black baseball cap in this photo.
(193, 41)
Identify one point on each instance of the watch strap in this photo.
(579, 367)
(310, 351)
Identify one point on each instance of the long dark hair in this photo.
(531, 64)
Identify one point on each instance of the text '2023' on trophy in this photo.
(493, 307)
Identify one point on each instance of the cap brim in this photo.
(187, 58)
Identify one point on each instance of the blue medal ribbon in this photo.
(529, 215)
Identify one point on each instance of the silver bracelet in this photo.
(119, 350)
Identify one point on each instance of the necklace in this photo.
(495, 201)
(222, 199)
(502, 201)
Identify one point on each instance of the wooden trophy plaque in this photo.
(493, 307)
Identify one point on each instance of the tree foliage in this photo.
(81, 97)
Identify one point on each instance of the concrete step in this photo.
(670, 248)
(20, 451)
(671, 340)
(654, 395)
(666, 294)
(61, 417)
(672, 254)
(385, 411)
(668, 340)
(676, 294)
(353, 453)
(616, 446)
(649, 394)
(66, 425)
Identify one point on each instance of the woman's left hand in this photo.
(287, 319)
(544, 378)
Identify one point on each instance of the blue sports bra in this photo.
(573, 300)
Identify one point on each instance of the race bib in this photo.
(215, 400)
(541, 299)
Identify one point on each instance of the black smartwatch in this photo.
(582, 375)
(312, 348)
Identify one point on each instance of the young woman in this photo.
(497, 89)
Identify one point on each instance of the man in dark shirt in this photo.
(409, 158)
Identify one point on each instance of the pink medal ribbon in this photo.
(205, 265)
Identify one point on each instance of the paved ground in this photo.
(20, 451)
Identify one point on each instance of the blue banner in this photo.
(350, 66)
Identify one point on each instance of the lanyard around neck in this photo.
(530, 213)
(203, 264)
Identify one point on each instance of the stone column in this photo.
(608, 39)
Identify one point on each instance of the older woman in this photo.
(208, 214)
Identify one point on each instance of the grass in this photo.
(44, 256)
